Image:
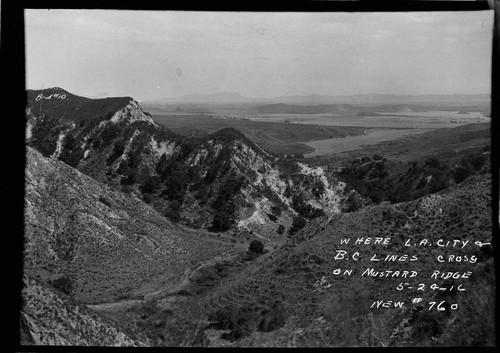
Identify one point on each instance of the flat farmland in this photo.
(321, 134)
(408, 120)
(380, 127)
(352, 143)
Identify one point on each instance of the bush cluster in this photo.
(374, 180)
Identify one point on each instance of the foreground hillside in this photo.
(331, 309)
(293, 298)
(98, 244)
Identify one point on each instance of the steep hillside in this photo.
(219, 182)
(294, 297)
(98, 244)
(50, 318)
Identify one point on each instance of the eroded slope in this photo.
(98, 243)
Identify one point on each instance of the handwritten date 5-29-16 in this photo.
(434, 287)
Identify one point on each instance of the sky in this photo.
(163, 54)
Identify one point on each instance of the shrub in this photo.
(110, 132)
(477, 161)
(147, 198)
(256, 246)
(318, 188)
(353, 203)
(273, 319)
(151, 184)
(126, 188)
(297, 224)
(250, 256)
(433, 162)
(63, 284)
(128, 180)
(118, 149)
(276, 210)
(45, 134)
(177, 179)
(461, 173)
(173, 212)
(281, 229)
(240, 321)
(223, 219)
(438, 183)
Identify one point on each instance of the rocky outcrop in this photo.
(131, 113)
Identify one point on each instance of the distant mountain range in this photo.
(313, 99)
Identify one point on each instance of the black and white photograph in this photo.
(257, 179)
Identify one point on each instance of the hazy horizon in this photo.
(168, 54)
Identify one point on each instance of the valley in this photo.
(193, 228)
(314, 176)
(318, 130)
